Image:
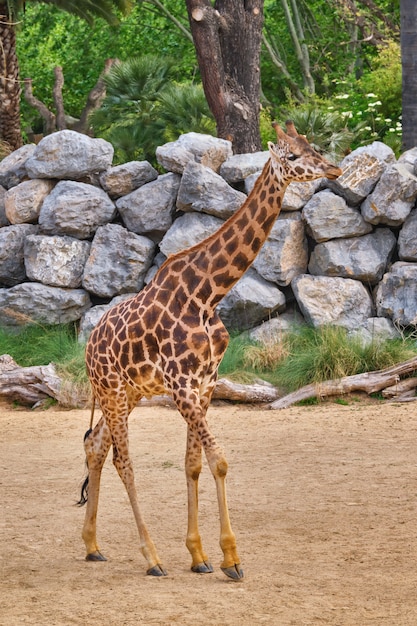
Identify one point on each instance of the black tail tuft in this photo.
(89, 431)
(84, 493)
(84, 488)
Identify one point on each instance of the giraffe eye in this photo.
(292, 157)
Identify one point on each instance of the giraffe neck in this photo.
(211, 268)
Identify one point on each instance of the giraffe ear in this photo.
(291, 130)
(280, 133)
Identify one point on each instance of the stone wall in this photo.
(77, 235)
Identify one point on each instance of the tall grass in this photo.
(306, 355)
(312, 355)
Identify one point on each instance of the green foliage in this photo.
(48, 37)
(266, 130)
(345, 67)
(184, 109)
(234, 364)
(329, 353)
(372, 104)
(310, 355)
(144, 108)
(39, 345)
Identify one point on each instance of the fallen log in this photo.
(370, 382)
(28, 385)
(258, 391)
(33, 385)
(404, 387)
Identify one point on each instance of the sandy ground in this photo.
(322, 500)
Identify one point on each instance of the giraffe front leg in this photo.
(200, 562)
(231, 561)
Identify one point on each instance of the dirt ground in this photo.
(322, 501)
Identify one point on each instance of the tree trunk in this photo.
(409, 72)
(9, 82)
(227, 38)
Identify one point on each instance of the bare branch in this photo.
(95, 97)
(46, 114)
(58, 100)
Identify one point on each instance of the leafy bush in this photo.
(144, 108)
(372, 104)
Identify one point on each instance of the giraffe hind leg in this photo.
(97, 444)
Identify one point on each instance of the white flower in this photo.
(370, 95)
(342, 96)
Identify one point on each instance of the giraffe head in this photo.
(295, 159)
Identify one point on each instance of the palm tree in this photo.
(408, 10)
(10, 88)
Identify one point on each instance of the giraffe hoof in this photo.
(235, 572)
(95, 556)
(203, 568)
(157, 570)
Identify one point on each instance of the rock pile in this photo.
(77, 234)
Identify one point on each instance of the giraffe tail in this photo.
(84, 487)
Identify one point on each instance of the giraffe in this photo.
(169, 339)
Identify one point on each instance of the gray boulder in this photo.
(328, 216)
(374, 330)
(409, 160)
(121, 180)
(239, 166)
(118, 262)
(203, 190)
(3, 217)
(363, 258)
(32, 302)
(75, 209)
(396, 294)
(149, 209)
(393, 197)
(249, 302)
(362, 169)
(407, 238)
(56, 261)
(205, 149)
(12, 264)
(272, 330)
(23, 202)
(13, 167)
(67, 154)
(285, 253)
(332, 301)
(297, 195)
(188, 230)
